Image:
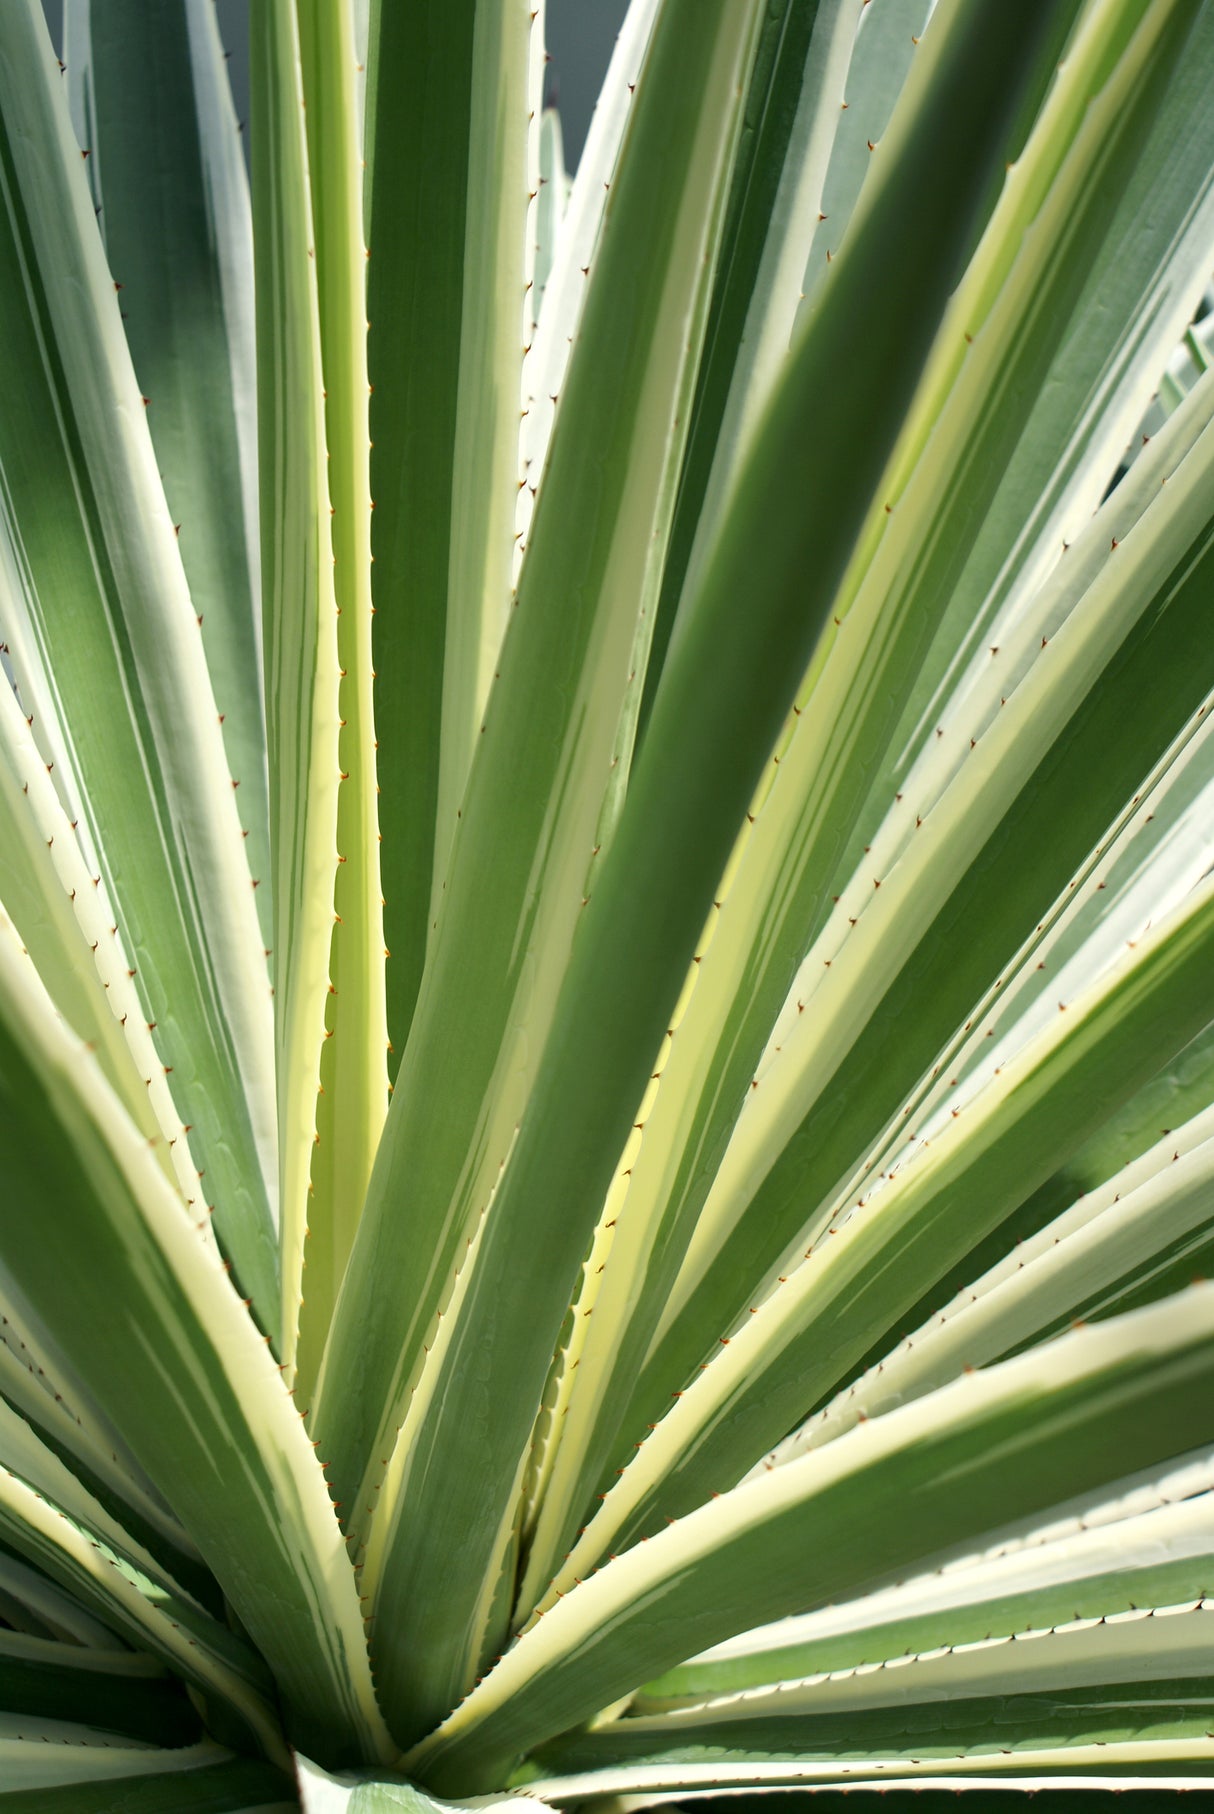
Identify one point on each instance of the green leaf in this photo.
(991, 1445)
(894, 993)
(122, 1522)
(151, 105)
(1119, 1567)
(35, 1606)
(48, 1754)
(48, 1518)
(876, 76)
(706, 746)
(790, 126)
(1160, 852)
(361, 1793)
(109, 659)
(522, 852)
(555, 333)
(447, 276)
(97, 1244)
(550, 206)
(49, 892)
(1176, 1094)
(1137, 265)
(1100, 1776)
(114, 1691)
(353, 1067)
(300, 619)
(37, 1382)
(658, 245)
(797, 763)
(1081, 1265)
(196, 1781)
(832, 1305)
(503, 177)
(773, 896)
(994, 1726)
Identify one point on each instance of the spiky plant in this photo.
(765, 720)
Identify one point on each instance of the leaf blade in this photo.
(1102, 1393)
(174, 1356)
(113, 650)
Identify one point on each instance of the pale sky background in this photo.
(580, 36)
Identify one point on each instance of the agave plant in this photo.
(607, 1073)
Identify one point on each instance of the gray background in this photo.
(580, 36)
